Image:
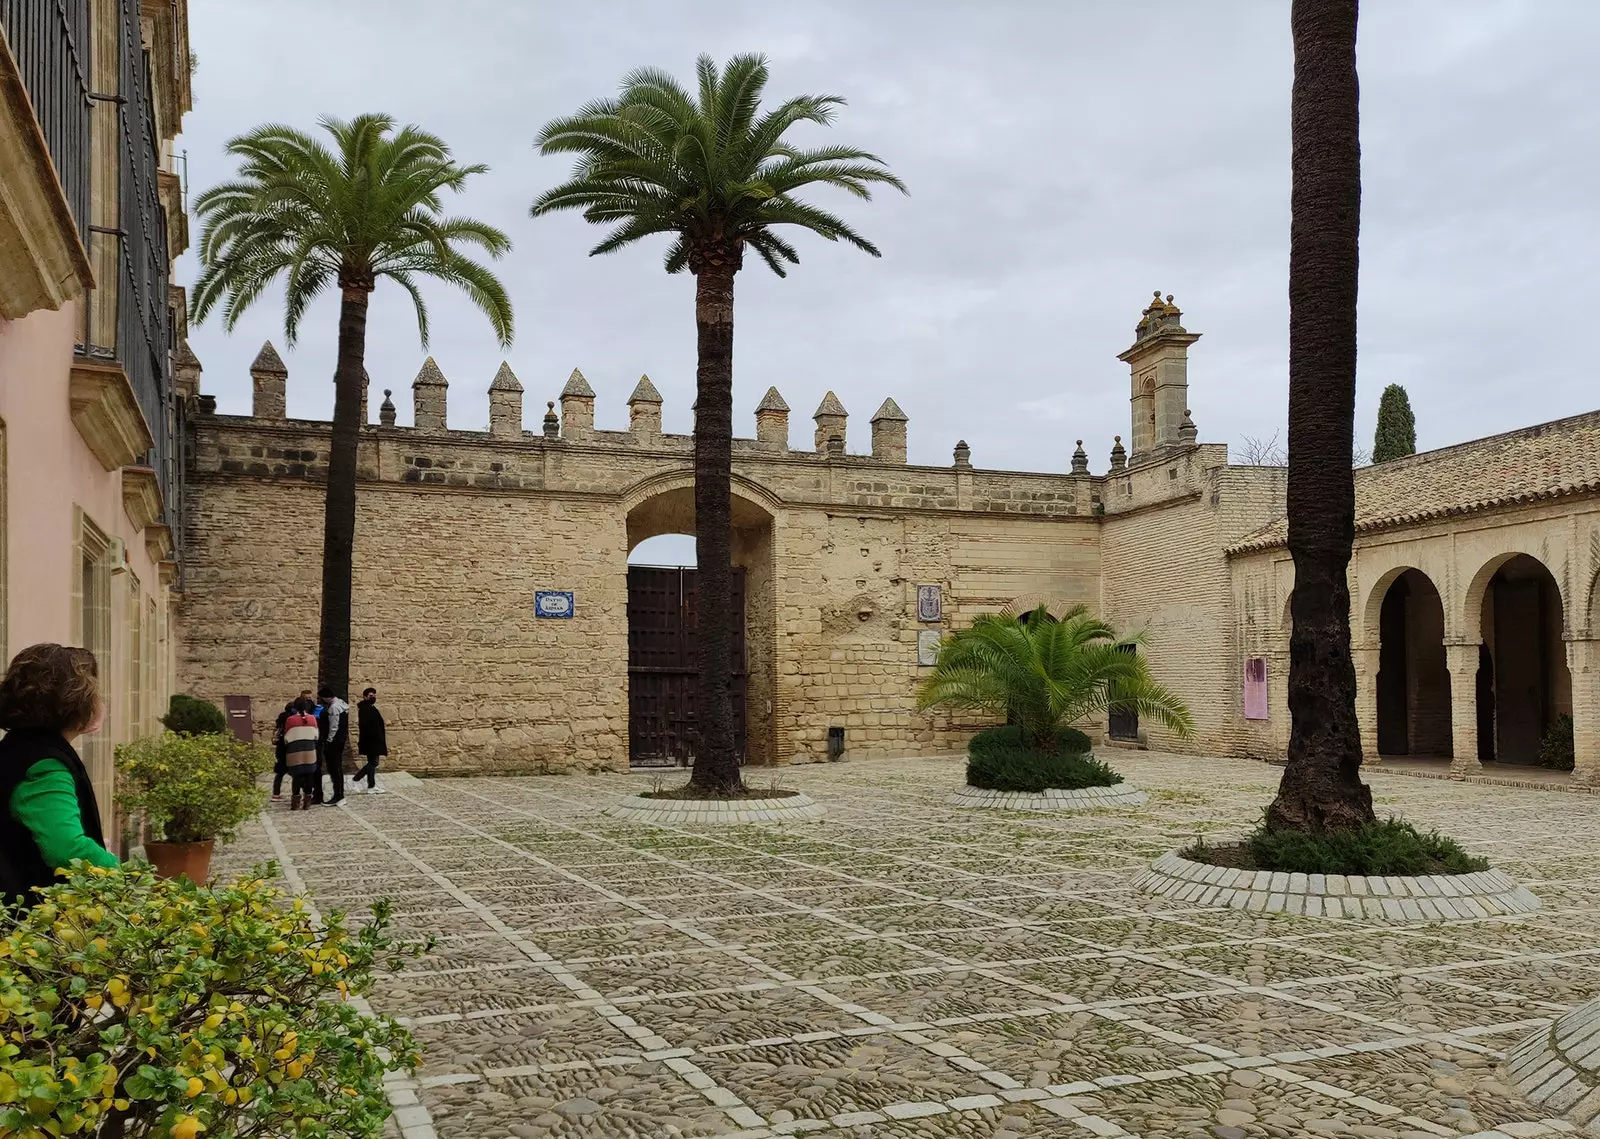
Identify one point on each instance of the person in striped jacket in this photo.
(301, 745)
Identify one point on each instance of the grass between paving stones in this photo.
(1384, 848)
(999, 760)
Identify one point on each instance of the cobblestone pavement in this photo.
(909, 969)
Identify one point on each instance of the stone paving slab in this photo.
(905, 968)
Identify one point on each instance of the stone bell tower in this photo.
(1159, 363)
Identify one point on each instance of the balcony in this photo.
(44, 155)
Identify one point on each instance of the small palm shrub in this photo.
(1393, 847)
(1558, 749)
(1043, 674)
(191, 716)
(999, 759)
(133, 1006)
(192, 788)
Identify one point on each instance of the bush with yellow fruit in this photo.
(135, 1006)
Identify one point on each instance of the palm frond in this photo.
(705, 165)
(1044, 674)
(314, 215)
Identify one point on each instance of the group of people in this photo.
(312, 737)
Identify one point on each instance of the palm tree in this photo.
(1044, 675)
(368, 209)
(1322, 788)
(714, 172)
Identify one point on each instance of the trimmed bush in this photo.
(1557, 750)
(140, 1007)
(192, 788)
(1385, 848)
(998, 760)
(191, 716)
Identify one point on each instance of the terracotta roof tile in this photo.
(1548, 460)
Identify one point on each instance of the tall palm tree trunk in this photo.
(339, 512)
(1322, 788)
(716, 762)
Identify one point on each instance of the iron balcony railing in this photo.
(144, 331)
(49, 39)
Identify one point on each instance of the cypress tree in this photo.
(1397, 427)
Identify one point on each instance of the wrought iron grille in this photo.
(49, 39)
(144, 332)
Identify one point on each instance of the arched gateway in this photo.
(664, 618)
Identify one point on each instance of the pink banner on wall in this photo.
(1255, 689)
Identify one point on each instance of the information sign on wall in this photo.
(552, 603)
(1255, 689)
(927, 647)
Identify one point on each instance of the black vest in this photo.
(22, 867)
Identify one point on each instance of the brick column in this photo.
(1366, 662)
(1463, 663)
(1583, 659)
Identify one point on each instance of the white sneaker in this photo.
(380, 790)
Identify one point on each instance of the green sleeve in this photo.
(46, 802)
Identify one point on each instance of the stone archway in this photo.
(1413, 679)
(666, 506)
(1524, 683)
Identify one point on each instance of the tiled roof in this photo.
(1549, 460)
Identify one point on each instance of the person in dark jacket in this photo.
(49, 816)
(374, 741)
(335, 725)
(280, 767)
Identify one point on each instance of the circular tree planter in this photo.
(1427, 897)
(1051, 799)
(1558, 1067)
(795, 808)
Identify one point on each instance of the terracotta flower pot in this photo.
(191, 860)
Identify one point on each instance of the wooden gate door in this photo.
(1125, 725)
(664, 666)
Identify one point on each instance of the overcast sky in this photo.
(1065, 159)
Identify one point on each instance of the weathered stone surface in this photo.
(912, 971)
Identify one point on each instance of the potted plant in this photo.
(136, 1006)
(1042, 675)
(191, 791)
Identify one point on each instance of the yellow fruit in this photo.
(186, 1127)
(195, 1086)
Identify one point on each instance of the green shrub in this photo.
(134, 1006)
(997, 759)
(192, 788)
(191, 716)
(1385, 848)
(1557, 749)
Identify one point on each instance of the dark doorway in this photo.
(1485, 692)
(1522, 625)
(663, 665)
(1413, 686)
(1125, 725)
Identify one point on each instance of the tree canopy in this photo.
(707, 167)
(1397, 427)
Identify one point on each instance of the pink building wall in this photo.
(49, 470)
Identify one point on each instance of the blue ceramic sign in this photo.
(552, 603)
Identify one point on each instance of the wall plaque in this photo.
(927, 647)
(930, 603)
(552, 603)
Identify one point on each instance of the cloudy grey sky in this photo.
(1065, 158)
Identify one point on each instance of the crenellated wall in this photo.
(458, 529)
